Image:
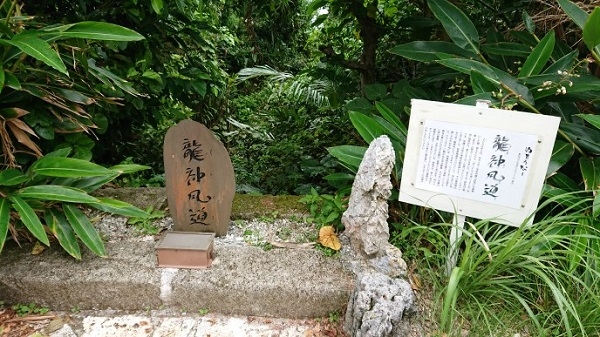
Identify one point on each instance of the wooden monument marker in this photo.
(199, 179)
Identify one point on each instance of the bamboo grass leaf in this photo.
(119, 207)
(30, 219)
(4, 220)
(56, 193)
(39, 49)
(92, 30)
(68, 168)
(12, 177)
(58, 225)
(84, 229)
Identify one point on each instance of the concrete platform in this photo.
(243, 280)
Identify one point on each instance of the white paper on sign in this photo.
(477, 163)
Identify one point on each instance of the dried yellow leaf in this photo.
(38, 248)
(328, 238)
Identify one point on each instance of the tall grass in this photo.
(543, 278)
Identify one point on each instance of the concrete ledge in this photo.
(244, 280)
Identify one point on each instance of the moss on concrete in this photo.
(254, 206)
(244, 206)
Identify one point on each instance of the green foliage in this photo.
(284, 135)
(29, 309)
(547, 272)
(385, 116)
(326, 209)
(44, 198)
(145, 224)
(47, 81)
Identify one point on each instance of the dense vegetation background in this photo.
(296, 89)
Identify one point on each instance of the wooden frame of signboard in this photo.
(476, 161)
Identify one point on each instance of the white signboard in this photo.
(480, 162)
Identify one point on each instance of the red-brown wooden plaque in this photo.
(199, 179)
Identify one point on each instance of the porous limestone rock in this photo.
(378, 305)
(366, 217)
(381, 296)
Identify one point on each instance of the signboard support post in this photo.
(458, 222)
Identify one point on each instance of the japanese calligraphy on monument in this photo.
(199, 179)
(476, 161)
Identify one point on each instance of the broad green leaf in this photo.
(510, 82)
(563, 197)
(586, 138)
(472, 100)
(506, 49)
(366, 126)
(591, 30)
(58, 225)
(592, 119)
(4, 220)
(68, 167)
(539, 56)
(458, 26)
(524, 37)
(392, 118)
(128, 168)
(2, 78)
(110, 79)
(84, 229)
(30, 219)
(466, 66)
(339, 176)
(63, 152)
(39, 49)
(561, 154)
(93, 30)
(12, 81)
(480, 84)
(56, 193)
(349, 156)
(578, 15)
(590, 172)
(157, 6)
(562, 64)
(76, 96)
(360, 104)
(561, 180)
(528, 22)
(119, 207)
(375, 91)
(12, 177)
(427, 51)
(392, 132)
(596, 206)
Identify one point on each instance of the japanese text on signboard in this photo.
(476, 163)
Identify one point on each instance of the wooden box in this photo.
(192, 250)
